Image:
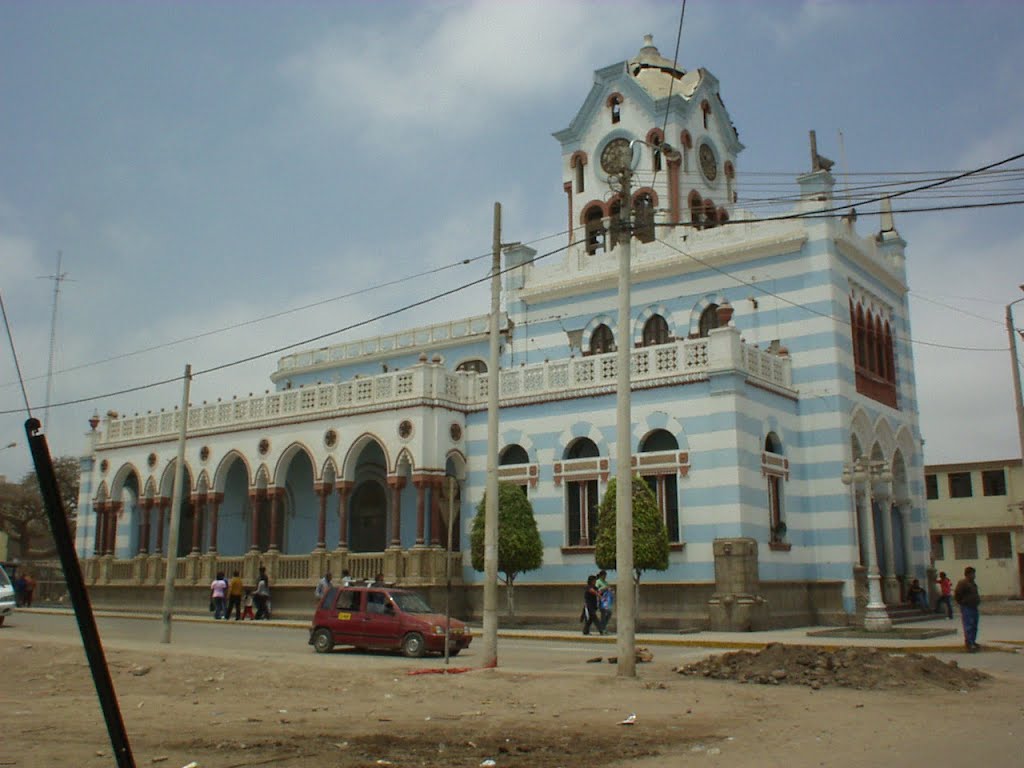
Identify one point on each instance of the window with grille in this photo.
(938, 548)
(965, 546)
(993, 482)
(999, 546)
(960, 485)
(931, 486)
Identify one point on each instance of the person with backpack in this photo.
(323, 586)
(589, 615)
(605, 601)
(262, 595)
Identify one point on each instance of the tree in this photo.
(650, 537)
(519, 545)
(22, 514)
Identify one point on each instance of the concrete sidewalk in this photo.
(997, 632)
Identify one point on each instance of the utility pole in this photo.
(58, 277)
(491, 508)
(172, 538)
(1015, 367)
(626, 620)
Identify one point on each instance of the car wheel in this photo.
(323, 641)
(413, 645)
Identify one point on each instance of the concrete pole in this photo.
(172, 539)
(1015, 367)
(490, 657)
(626, 619)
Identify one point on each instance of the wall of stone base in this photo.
(295, 603)
(667, 607)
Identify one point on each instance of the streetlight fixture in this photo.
(1015, 369)
(865, 476)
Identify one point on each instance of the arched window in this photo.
(775, 469)
(872, 356)
(861, 336)
(686, 142)
(594, 227)
(614, 214)
(890, 356)
(880, 350)
(696, 205)
(614, 103)
(643, 216)
(579, 177)
(601, 340)
(874, 359)
(663, 480)
(710, 213)
(655, 331)
(655, 138)
(705, 108)
(708, 320)
(472, 366)
(513, 455)
(581, 493)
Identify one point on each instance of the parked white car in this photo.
(6, 596)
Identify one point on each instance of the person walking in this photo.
(945, 594)
(968, 598)
(590, 596)
(346, 579)
(262, 595)
(218, 589)
(605, 600)
(247, 603)
(235, 591)
(323, 586)
(19, 590)
(30, 588)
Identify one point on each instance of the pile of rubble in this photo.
(851, 667)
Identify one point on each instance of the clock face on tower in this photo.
(617, 156)
(708, 163)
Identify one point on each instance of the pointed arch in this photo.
(167, 478)
(645, 315)
(220, 474)
(124, 472)
(329, 471)
(860, 428)
(885, 438)
(404, 459)
(151, 491)
(355, 450)
(285, 460)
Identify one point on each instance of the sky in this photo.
(202, 166)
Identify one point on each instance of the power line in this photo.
(813, 311)
(303, 342)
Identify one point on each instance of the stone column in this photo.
(890, 586)
(435, 512)
(421, 500)
(397, 483)
(162, 506)
(198, 501)
(905, 509)
(344, 488)
(113, 510)
(214, 500)
(323, 491)
(275, 538)
(100, 510)
(254, 504)
(145, 508)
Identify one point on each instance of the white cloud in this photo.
(479, 64)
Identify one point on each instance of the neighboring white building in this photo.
(766, 356)
(976, 512)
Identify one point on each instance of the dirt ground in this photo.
(223, 713)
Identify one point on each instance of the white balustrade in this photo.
(688, 360)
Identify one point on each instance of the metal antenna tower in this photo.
(58, 278)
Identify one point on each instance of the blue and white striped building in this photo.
(766, 357)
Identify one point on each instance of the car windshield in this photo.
(410, 602)
(4, 581)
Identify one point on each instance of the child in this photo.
(247, 606)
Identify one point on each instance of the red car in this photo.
(381, 617)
